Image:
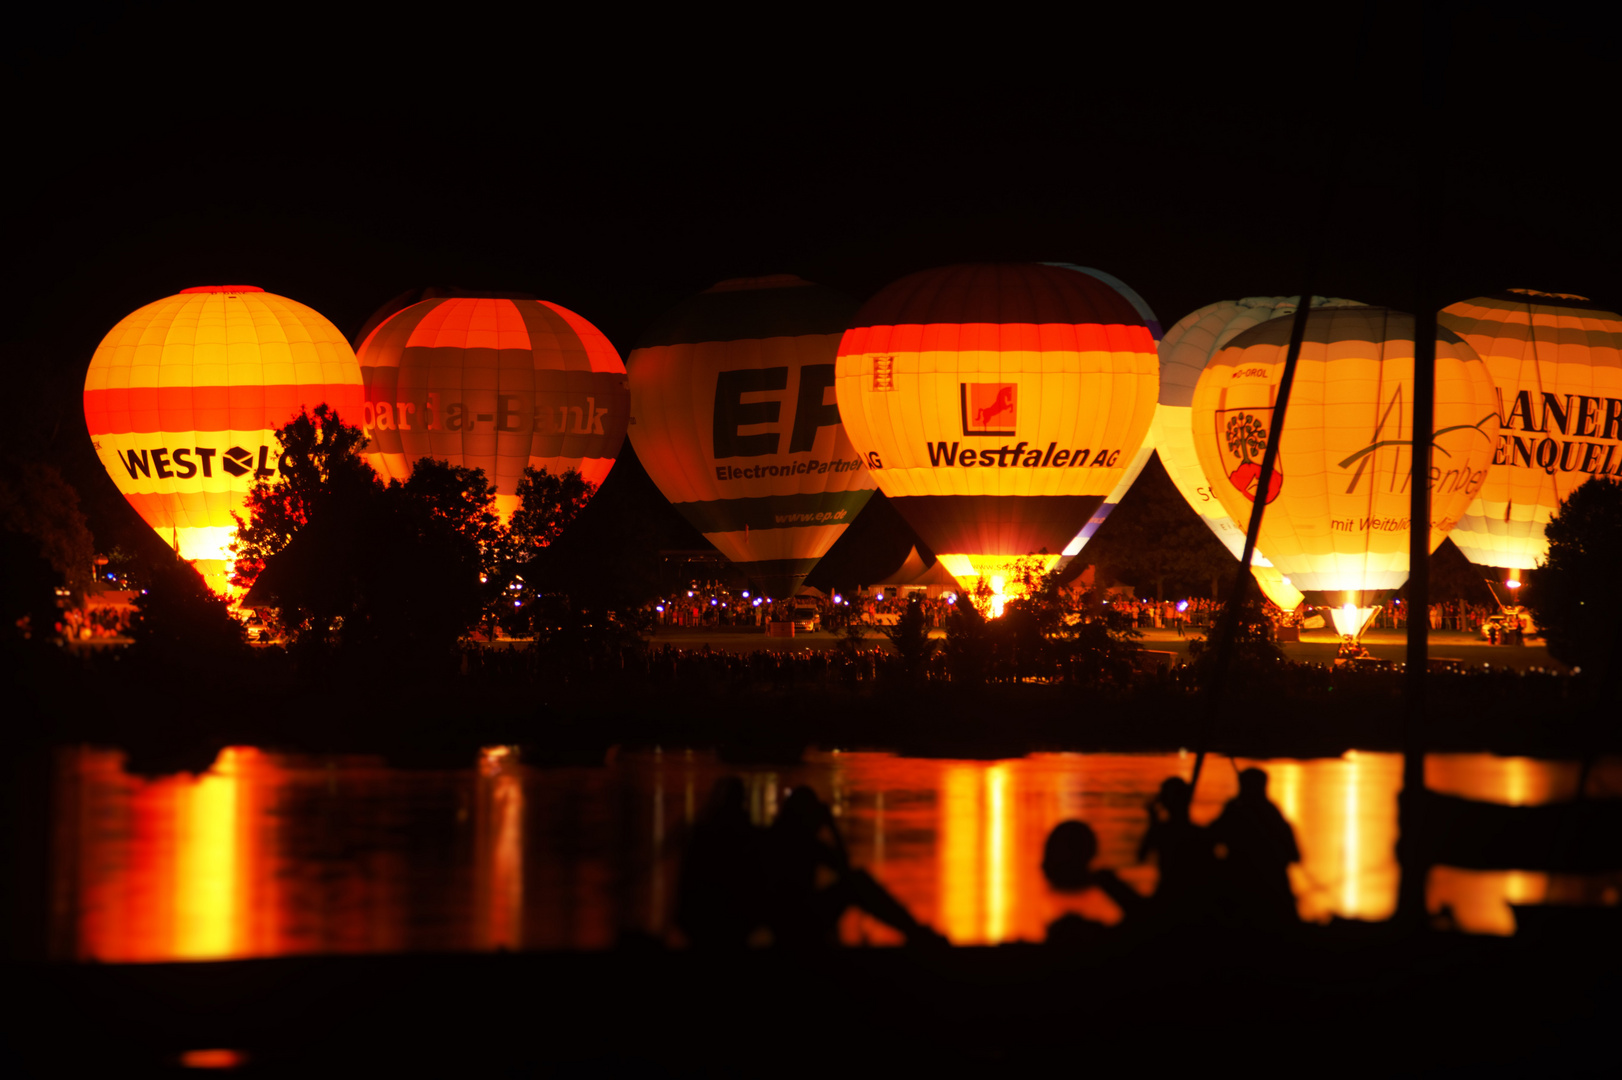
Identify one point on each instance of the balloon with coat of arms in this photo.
(1185, 350)
(1337, 520)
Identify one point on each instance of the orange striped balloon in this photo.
(493, 384)
(184, 396)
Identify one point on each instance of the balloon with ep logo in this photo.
(734, 418)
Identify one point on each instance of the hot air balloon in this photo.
(736, 423)
(1184, 351)
(1556, 360)
(495, 384)
(1146, 451)
(997, 405)
(1337, 508)
(183, 399)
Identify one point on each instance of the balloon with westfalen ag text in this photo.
(183, 399)
(1184, 351)
(735, 421)
(1146, 451)
(1556, 360)
(998, 406)
(493, 383)
(1337, 520)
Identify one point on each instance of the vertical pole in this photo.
(1225, 629)
(1411, 845)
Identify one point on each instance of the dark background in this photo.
(617, 162)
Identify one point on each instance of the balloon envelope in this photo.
(1337, 510)
(1556, 361)
(997, 405)
(1184, 352)
(1141, 458)
(732, 394)
(183, 398)
(494, 384)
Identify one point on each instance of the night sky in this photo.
(617, 163)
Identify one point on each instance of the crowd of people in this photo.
(790, 883)
(717, 608)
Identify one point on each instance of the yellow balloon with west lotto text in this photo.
(1337, 509)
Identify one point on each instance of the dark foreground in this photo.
(1339, 1000)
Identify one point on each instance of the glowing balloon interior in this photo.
(1141, 458)
(183, 398)
(1337, 507)
(1185, 350)
(494, 384)
(998, 406)
(1557, 363)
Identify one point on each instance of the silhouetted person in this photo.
(719, 898)
(1067, 864)
(1257, 846)
(1183, 853)
(810, 882)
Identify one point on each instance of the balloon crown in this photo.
(221, 288)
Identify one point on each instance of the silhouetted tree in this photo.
(389, 573)
(969, 644)
(320, 462)
(1576, 595)
(44, 543)
(911, 641)
(180, 623)
(1255, 651)
(547, 504)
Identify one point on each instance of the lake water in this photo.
(271, 854)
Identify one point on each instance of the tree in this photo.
(911, 641)
(1576, 594)
(388, 573)
(45, 546)
(465, 500)
(1056, 631)
(320, 461)
(1255, 651)
(547, 505)
(180, 623)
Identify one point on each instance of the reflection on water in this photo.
(274, 854)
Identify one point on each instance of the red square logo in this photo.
(989, 408)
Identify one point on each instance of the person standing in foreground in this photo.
(1255, 847)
